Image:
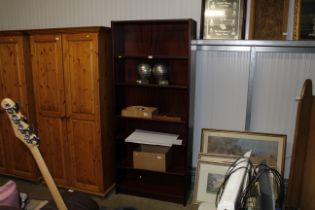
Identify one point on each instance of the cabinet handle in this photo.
(140, 177)
(57, 38)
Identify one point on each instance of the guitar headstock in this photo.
(21, 128)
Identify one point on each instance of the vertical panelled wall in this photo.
(253, 90)
(17, 14)
(221, 91)
(277, 82)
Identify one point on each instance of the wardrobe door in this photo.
(50, 103)
(3, 161)
(13, 77)
(82, 110)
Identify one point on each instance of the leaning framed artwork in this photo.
(208, 179)
(264, 146)
(222, 19)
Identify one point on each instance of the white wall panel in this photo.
(277, 82)
(221, 92)
(27, 14)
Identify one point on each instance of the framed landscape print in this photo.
(269, 147)
(209, 177)
(222, 19)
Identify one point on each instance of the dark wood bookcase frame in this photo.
(154, 41)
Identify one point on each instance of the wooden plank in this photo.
(300, 144)
(308, 187)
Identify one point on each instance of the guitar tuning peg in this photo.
(32, 139)
(31, 129)
(36, 139)
(16, 107)
(24, 119)
(28, 139)
(24, 130)
(16, 119)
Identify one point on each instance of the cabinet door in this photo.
(20, 161)
(50, 102)
(82, 110)
(3, 161)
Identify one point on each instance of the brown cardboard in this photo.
(149, 157)
(139, 111)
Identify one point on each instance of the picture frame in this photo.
(304, 20)
(227, 143)
(227, 160)
(222, 19)
(208, 179)
(296, 20)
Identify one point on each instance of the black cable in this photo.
(250, 189)
(254, 174)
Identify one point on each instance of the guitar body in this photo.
(69, 200)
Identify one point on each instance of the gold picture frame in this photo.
(296, 21)
(221, 19)
(227, 143)
(228, 160)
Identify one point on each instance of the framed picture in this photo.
(222, 19)
(269, 147)
(209, 177)
(304, 20)
(227, 160)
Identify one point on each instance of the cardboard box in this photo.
(139, 111)
(155, 158)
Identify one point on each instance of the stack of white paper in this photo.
(153, 138)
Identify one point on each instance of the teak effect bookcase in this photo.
(156, 41)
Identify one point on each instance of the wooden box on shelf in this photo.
(157, 44)
(139, 111)
(152, 157)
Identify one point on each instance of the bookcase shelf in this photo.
(154, 119)
(133, 84)
(150, 57)
(154, 42)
